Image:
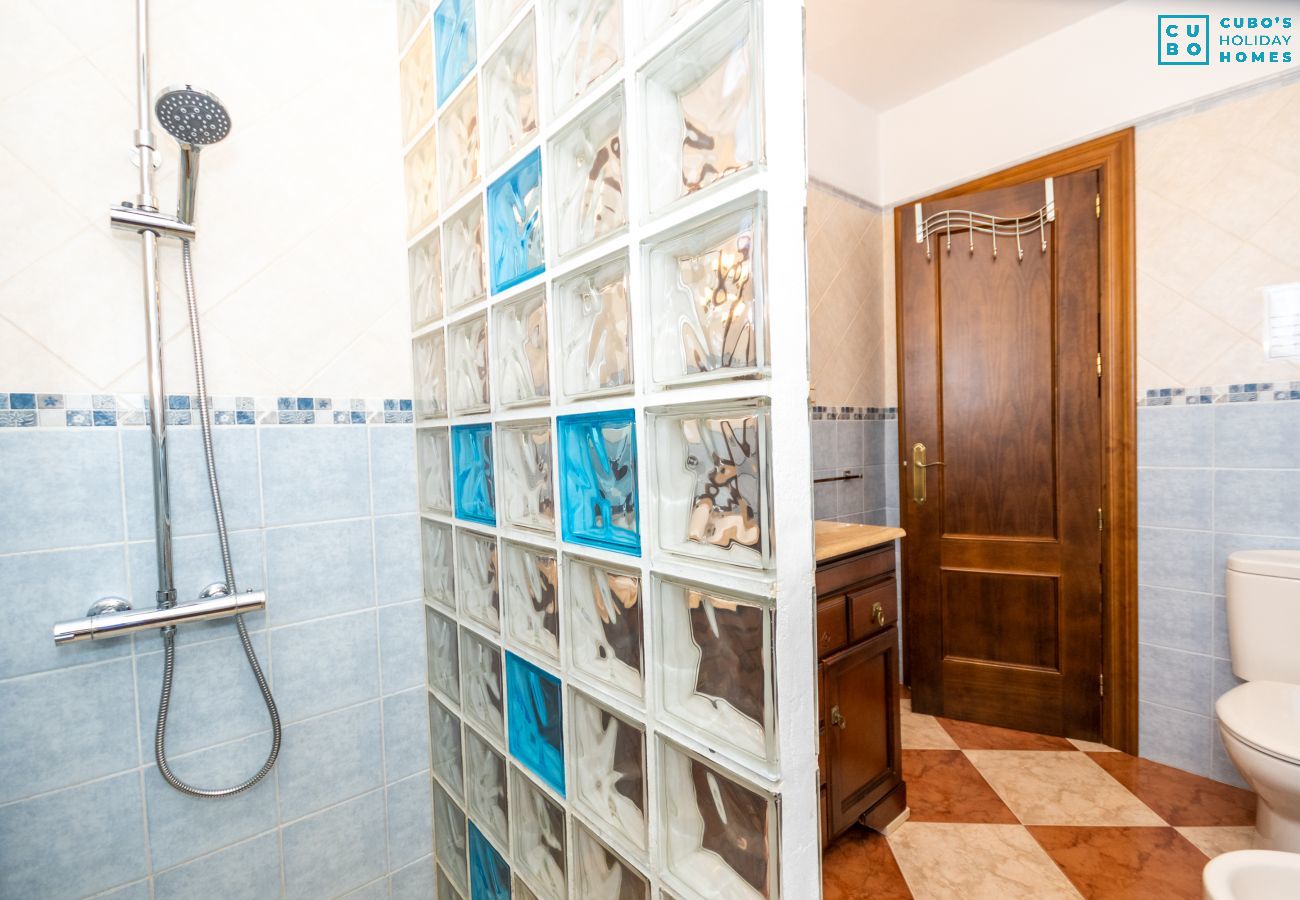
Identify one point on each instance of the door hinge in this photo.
(1099, 205)
(1101, 520)
(1101, 685)
(1098, 365)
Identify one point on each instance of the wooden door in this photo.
(1000, 381)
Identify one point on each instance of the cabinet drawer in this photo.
(832, 625)
(872, 564)
(862, 603)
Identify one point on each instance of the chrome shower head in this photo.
(196, 118)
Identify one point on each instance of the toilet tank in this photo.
(1263, 599)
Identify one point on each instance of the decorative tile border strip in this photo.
(28, 410)
(860, 413)
(1251, 392)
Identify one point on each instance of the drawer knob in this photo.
(878, 614)
(837, 718)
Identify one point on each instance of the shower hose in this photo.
(169, 634)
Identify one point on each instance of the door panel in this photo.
(1017, 617)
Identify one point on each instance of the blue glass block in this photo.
(536, 713)
(489, 876)
(598, 480)
(515, 224)
(475, 482)
(456, 44)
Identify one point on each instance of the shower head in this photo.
(196, 118)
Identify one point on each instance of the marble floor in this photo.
(1004, 814)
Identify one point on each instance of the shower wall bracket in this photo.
(113, 617)
(129, 217)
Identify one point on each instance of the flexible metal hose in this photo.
(169, 634)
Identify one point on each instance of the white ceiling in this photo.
(885, 52)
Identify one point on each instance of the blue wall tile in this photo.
(397, 558)
(824, 453)
(319, 570)
(1227, 544)
(1176, 679)
(410, 820)
(246, 870)
(330, 759)
(137, 890)
(392, 469)
(1257, 501)
(335, 850)
(187, 483)
(1178, 619)
(376, 890)
(1221, 765)
(1256, 435)
(536, 715)
(325, 665)
(1224, 679)
(414, 882)
(850, 444)
(401, 647)
(1176, 436)
(1221, 650)
(406, 733)
(61, 488)
(1175, 559)
(314, 474)
(1176, 498)
(1175, 737)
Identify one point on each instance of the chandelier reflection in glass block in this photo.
(600, 872)
(610, 783)
(429, 355)
(473, 473)
(443, 654)
(536, 720)
(449, 840)
(598, 480)
(531, 579)
(424, 276)
(486, 795)
(445, 747)
(436, 559)
(477, 589)
(433, 462)
(520, 337)
(468, 390)
(588, 181)
(463, 237)
(456, 44)
(539, 840)
(510, 93)
(481, 686)
(604, 625)
(587, 40)
(594, 320)
(514, 204)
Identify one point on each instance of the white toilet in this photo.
(1260, 720)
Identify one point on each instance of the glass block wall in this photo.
(609, 330)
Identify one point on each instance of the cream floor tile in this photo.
(975, 862)
(1215, 840)
(1092, 746)
(1059, 788)
(924, 732)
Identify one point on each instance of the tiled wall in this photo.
(861, 442)
(323, 518)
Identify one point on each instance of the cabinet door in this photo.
(863, 747)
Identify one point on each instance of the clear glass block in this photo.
(449, 839)
(433, 459)
(415, 78)
(713, 482)
(429, 355)
(514, 203)
(480, 679)
(510, 93)
(531, 581)
(702, 107)
(463, 234)
(410, 13)
(522, 891)
(600, 874)
(469, 391)
(588, 183)
(445, 747)
(610, 784)
(586, 43)
(718, 834)
(716, 675)
(446, 890)
(424, 271)
(658, 15)
(520, 340)
(489, 874)
(539, 843)
(477, 587)
(495, 15)
(594, 319)
(527, 480)
(456, 43)
(604, 625)
(436, 561)
(458, 142)
(486, 795)
(421, 173)
(598, 480)
(536, 720)
(473, 475)
(443, 654)
(707, 297)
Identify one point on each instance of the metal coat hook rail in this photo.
(971, 223)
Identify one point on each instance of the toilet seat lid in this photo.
(1266, 715)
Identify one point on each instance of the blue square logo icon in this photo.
(1183, 40)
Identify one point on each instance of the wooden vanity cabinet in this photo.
(861, 758)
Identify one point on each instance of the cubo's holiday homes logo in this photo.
(1223, 40)
(1183, 40)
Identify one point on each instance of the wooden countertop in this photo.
(835, 539)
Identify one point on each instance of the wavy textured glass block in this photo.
(587, 43)
(420, 169)
(433, 459)
(445, 747)
(443, 654)
(713, 483)
(463, 237)
(520, 338)
(531, 584)
(446, 890)
(537, 827)
(458, 139)
(495, 15)
(707, 297)
(468, 388)
(510, 93)
(489, 875)
(486, 792)
(480, 680)
(718, 835)
(701, 107)
(416, 83)
(610, 784)
(449, 838)
(514, 204)
(536, 720)
(477, 587)
(436, 563)
(424, 276)
(473, 475)
(527, 481)
(657, 15)
(599, 873)
(429, 355)
(410, 13)
(605, 627)
(594, 319)
(598, 480)
(716, 672)
(589, 185)
(455, 43)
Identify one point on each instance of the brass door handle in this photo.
(919, 465)
(878, 614)
(837, 718)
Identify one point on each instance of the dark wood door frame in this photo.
(1112, 156)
